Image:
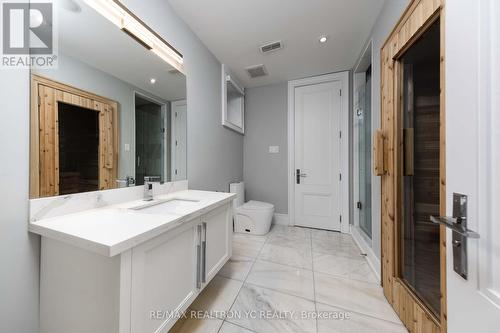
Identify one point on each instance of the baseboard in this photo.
(372, 259)
(281, 219)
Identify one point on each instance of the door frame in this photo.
(173, 133)
(364, 62)
(343, 77)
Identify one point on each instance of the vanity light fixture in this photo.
(123, 18)
(323, 39)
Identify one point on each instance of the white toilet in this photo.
(253, 217)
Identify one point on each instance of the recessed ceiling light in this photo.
(152, 80)
(323, 39)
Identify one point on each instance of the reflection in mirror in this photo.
(111, 113)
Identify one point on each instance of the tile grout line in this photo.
(315, 302)
(279, 291)
(245, 328)
(348, 278)
(311, 238)
(243, 285)
(361, 313)
(314, 284)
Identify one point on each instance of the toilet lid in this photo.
(252, 204)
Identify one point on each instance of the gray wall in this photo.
(265, 174)
(19, 251)
(390, 14)
(215, 154)
(215, 157)
(266, 124)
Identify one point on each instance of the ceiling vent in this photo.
(256, 71)
(271, 47)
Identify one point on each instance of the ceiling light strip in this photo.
(123, 18)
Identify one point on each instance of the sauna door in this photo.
(411, 144)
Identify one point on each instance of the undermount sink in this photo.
(170, 206)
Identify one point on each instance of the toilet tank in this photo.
(239, 189)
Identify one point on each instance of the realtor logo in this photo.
(28, 34)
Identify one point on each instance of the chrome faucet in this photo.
(148, 186)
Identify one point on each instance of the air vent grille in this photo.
(256, 71)
(271, 47)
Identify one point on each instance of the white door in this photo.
(179, 140)
(317, 155)
(473, 159)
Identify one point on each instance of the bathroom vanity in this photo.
(132, 266)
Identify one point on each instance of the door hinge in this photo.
(340, 218)
(340, 92)
(340, 134)
(175, 114)
(163, 130)
(175, 171)
(359, 205)
(176, 142)
(340, 176)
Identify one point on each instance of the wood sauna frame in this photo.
(417, 18)
(44, 134)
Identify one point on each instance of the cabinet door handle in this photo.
(198, 256)
(204, 253)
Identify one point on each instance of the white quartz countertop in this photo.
(114, 229)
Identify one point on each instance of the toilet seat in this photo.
(256, 205)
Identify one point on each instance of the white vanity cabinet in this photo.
(218, 226)
(163, 278)
(137, 290)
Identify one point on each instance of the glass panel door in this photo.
(364, 135)
(419, 238)
(149, 140)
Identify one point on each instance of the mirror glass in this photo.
(110, 113)
(233, 103)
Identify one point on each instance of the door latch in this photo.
(458, 224)
(299, 175)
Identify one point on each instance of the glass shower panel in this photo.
(419, 242)
(150, 142)
(364, 155)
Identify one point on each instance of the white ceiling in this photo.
(234, 29)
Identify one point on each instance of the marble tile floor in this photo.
(293, 280)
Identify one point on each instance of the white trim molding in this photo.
(343, 77)
(281, 219)
(487, 152)
(366, 248)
